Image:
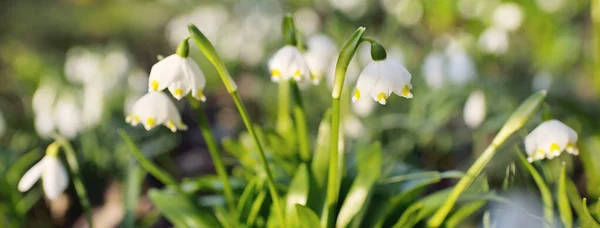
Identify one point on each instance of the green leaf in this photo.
(542, 186)
(320, 162)
(463, 213)
(566, 215)
(225, 218)
(297, 194)
(245, 200)
(589, 220)
(133, 184)
(409, 217)
(256, 206)
(590, 159)
(307, 216)
(180, 211)
(580, 206)
(369, 169)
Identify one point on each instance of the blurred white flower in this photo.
(82, 65)
(493, 40)
(217, 15)
(550, 6)
(321, 50)
(353, 126)
(351, 8)
(363, 107)
(541, 81)
(92, 106)
(471, 9)
(508, 16)
(67, 116)
(380, 78)
(288, 63)
(433, 69)
(44, 123)
(474, 111)
(154, 109)
(44, 97)
(181, 75)
(549, 139)
(53, 173)
(406, 12)
(307, 21)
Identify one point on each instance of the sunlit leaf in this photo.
(566, 215)
(307, 216)
(409, 217)
(369, 169)
(180, 211)
(297, 193)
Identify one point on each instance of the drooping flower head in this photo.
(181, 75)
(154, 109)
(320, 51)
(550, 139)
(381, 77)
(53, 173)
(288, 63)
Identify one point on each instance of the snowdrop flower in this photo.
(180, 74)
(493, 40)
(508, 16)
(382, 77)
(549, 139)
(474, 111)
(321, 50)
(53, 173)
(433, 69)
(460, 66)
(154, 109)
(67, 116)
(288, 63)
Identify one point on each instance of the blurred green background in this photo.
(76, 66)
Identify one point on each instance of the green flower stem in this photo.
(213, 149)
(77, 178)
(209, 51)
(514, 123)
(154, 170)
(301, 126)
(284, 122)
(328, 218)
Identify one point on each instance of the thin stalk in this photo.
(261, 154)
(284, 121)
(154, 170)
(77, 178)
(213, 149)
(211, 54)
(333, 177)
(301, 126)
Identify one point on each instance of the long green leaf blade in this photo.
(563, 201)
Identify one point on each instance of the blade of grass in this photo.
(542, 186)
(564, 207)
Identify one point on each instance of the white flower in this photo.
(433, 69)
(549, 139)
(67, 116)
(321, 50)
(92, 107)
(288, 63)
(460, 66)
(153, 109)
(181, 75)
(380, 78)
(508, 16)
(53, 174)
(493, 40)
(474, 111)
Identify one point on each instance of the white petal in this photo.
(54, 177)
(285, 62)
(153, 109)
(31, 176)
(196, 78)
(474, 110)
(165, 72)
(398, 77)
(381, 91)
(368, 79)
(321, 50)
(179, 89)
(67, 116)
(530, 144)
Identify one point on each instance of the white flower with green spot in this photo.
(380, 78)
(53, 174)
(288, 63)
(181, 75)
(153, 109)
(549, 140)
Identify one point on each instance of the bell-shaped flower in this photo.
(382, 77)
(181, 75)
(550, 139)
(288, 63)
(68, 116)
(320, 51)
(53, 173)
(474, 111)
(153, 109)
